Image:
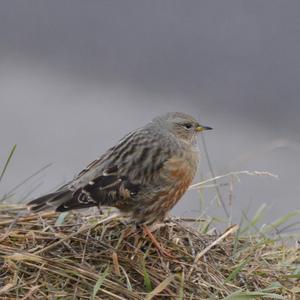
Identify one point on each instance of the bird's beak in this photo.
(200, 128)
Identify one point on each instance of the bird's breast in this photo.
(181, 172)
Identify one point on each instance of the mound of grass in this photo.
(72, 256)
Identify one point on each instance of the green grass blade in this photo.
(280, 221)
(257, 217)
(7, 161)
(237, 270)
(147, 280)
(252, 295)
(273, 286)
(100, 282)
(181, 287)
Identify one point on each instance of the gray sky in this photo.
(77, 75)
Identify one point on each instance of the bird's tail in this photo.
(62, 200)
(51, 201)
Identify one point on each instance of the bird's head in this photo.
(181, 125)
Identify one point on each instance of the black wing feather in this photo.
(109, 189)
(106, 190)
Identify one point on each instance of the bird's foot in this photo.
(162, 251)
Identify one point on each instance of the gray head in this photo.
(181, 125)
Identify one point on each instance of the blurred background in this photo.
(75, 76)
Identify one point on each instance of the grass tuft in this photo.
(72, 256)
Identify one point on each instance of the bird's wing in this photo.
(107, 189)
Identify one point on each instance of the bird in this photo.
(144, 175)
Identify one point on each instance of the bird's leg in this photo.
(158, 246)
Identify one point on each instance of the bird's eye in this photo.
(187, 126)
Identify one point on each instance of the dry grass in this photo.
(72, 256)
